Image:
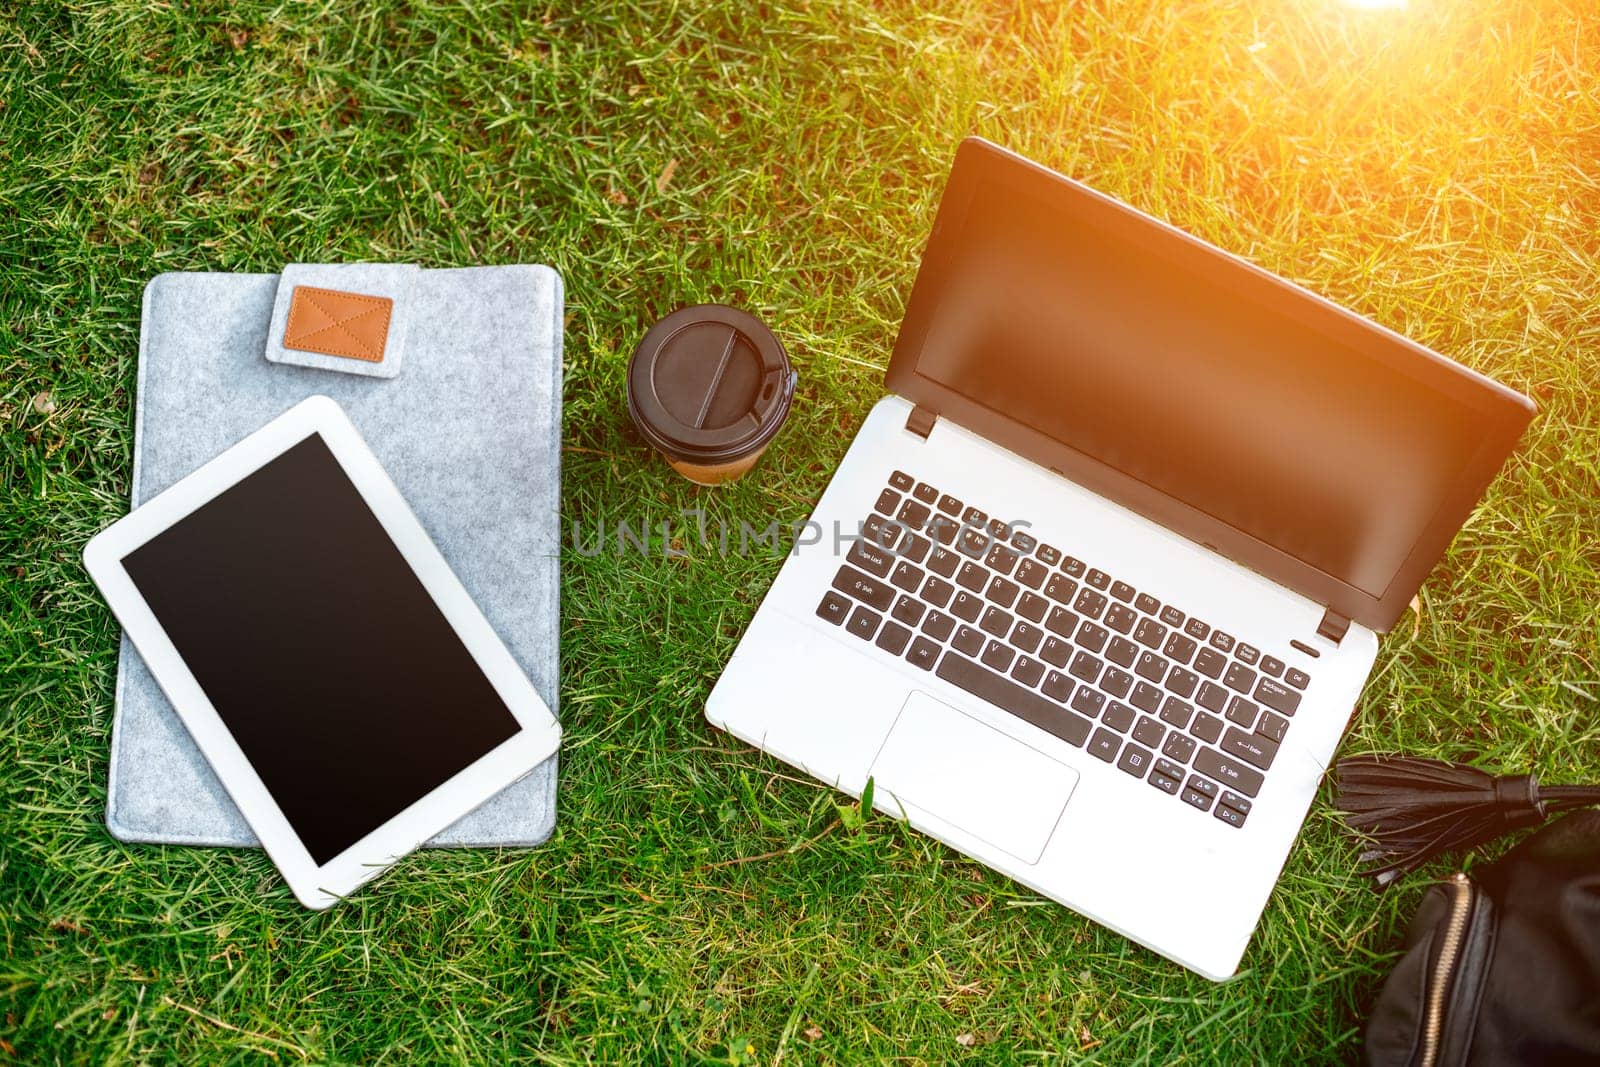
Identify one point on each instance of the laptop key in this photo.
(1116, 682)
(1167, 776)
(1254, 749)
(998, 656)
(907, 577)
(1062, 622)
(1195, 798)
(1073, 567)
(863, 623)
(1207, 728)
(1148, 731)
(1222, 641)
(1272, 726)
(870, 557)
(1085, 668)
(902, 481)
(1204, 786)
(1049, 555)
(1089, 701)
(1090, 603)
(1178, 747)
(1032, 573)
(1061, 588)
(996, 622)
(1121, 618)
(938, 625)
(1179, 647)
(972, 542)
(1147, 603)
(1027, 636)
(1007, 695)
(1122, 591)
(1104, 745)
(1229, 771)
(1176, 712)
(1272, 665)
(1212, 697)
(943, 562)
(1146, 697)
(1098, 578)
(943, 529)
(1150, 633)
(999, 530)
(1297, 678)
(1122, 652)
(914, 547)
(1135, 760)
(908, 610)
(881, 532)
(887, 501)
(1210, 663)
(974, 517)
(1277, 697)
(969, 640)
(1196, 629)
(1092, 637)
(937, 591)
(893, 638)
(1001, 558)
(924, 653)
(1151, 667)
(914, 515)
(1055, 652)
(950, 505)
(1229, 815)
(1027, 670)
(966, 606)
(1118, 716)
(1058, 686)
(833, 608)
(1242, 712)
(1239, 677)
(1172, 616)
(863, 587)
(1182, 682)
(1248, 653)
(1235, 801)
(925, 493)
(972, 577)
(1024, 542)
(1032, 607)
(1002, 591)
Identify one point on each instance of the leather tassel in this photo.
(1412, 810)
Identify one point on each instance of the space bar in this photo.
(1025, 704)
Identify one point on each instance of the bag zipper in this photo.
(1449, 952)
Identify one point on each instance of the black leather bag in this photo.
(1503, 967)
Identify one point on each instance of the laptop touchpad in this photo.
(967, 773)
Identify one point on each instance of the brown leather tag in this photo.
(335, 323)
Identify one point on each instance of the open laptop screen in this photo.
(1256, 405)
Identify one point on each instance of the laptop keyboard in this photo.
(1071, 649)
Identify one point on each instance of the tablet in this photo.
(351, 697)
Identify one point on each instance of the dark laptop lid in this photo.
(1320, 449)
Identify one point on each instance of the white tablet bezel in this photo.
(320, 885)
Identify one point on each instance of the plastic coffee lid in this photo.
(709, 383)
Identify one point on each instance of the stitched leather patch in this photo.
(335, 323)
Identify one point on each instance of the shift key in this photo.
(1229, 771)
(864, 587)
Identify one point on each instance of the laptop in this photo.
(1098, 583)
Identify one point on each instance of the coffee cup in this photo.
(710, 386)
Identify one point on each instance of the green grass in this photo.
(1437, 169)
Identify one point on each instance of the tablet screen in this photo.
(327, 659)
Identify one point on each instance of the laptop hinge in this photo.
(921, 420)
(1333, 626)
